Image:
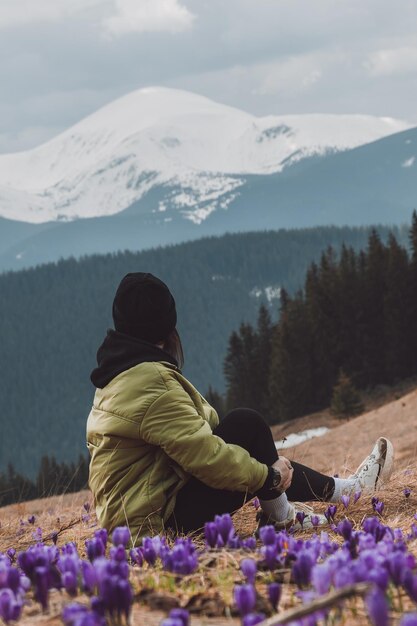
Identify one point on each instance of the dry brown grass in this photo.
(208, 593)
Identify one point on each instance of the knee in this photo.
(247, 417)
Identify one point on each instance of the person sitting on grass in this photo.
(160, 458)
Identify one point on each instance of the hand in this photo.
(284, 466)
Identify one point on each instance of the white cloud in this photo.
(402, 60)
(148, 16)
(17, 12)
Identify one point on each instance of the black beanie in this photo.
(144, 308)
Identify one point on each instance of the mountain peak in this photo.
(161, 136)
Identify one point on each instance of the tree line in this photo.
(354, 320)
(52, 479)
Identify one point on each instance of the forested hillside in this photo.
(52, 319)
(352, 326)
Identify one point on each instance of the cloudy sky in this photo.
(62, 59)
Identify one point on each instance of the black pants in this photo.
(198, 503)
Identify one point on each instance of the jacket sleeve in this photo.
(173, 423)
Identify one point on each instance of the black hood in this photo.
(120, 352)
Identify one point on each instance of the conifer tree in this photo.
(373, 305)
(262, 361)
(413, 284)
(290, 380)
(239, 369)
(397, 320)
(216, 400)
(346, 401)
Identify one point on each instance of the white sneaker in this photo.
(377, 467)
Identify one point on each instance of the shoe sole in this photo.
(386, 469)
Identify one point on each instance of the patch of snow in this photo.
(296, 438)
(256, 292)
(408, 162)
(271, 292)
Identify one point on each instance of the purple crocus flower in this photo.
(379, 507)
(344, 528)
(396, 567)
(377, 606)
(69, 580)
(245, 598)
(380, 577)
(356, 496)
(330, 512)
(11, 553)
(31, 519)
(148, 551)
(102, 534)
(315, 521)
(211, 534)
(234, 543)
(12, 579)
(345, 500)
(171, 621)
(255, 503)
(41, 586)
(10, 607)
(270, 554)
(225, 527)
(274, 594)
(250, 543)
(249, 569)
(407, 492)
(301, 570)
(88, 576)
(268, 535)
(121, 536)
(95, 548)
(180, 614)
(251, 619)
(136, 556)
(300, 517)
(321, 578)
(79, 615)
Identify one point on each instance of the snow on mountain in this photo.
(156, 136)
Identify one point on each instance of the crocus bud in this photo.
(268, 535)
(181, 614)
(345, 501)
(210, 534)
(95, 548)
(121, 536)
(245, 598)
(249, 569)
(274, 594)
(225, 527)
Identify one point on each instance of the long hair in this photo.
(173, 346)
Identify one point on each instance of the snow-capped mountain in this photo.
(198, 151)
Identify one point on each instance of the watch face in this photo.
(277, 478)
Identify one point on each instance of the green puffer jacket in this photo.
(149, 429)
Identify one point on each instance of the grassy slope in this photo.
(340, 450)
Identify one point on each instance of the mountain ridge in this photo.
(155, 137)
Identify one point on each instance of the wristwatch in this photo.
(276, 478)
